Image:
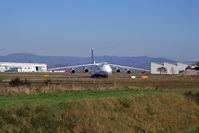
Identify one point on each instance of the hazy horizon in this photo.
(88, 56)
(167, 29)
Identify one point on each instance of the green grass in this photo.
(99, 111)
(53, 98)
(58, 97)
(99, 105)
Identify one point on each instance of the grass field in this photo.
(99, 111)
(67, 80)
(80, 104)
(51, 99)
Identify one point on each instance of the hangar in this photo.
(167, 68)
(22, 67)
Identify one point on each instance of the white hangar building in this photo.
(22, 67)
(168, 68)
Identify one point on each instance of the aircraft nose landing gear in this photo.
(98, 76)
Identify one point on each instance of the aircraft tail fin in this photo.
(92, 55)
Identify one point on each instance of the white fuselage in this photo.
(102, 69)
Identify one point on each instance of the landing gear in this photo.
(99, 76)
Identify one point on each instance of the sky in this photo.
(156, 28)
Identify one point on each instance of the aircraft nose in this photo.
(109, 71)
(106, 70)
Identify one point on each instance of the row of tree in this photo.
(162, 70)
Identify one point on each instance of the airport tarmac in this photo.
(117, 80)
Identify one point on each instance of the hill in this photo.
(54, 61)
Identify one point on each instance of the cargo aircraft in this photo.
(97, 70)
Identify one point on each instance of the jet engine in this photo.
(86, 70)
(72, 71)
(128, 71)
(118, 70)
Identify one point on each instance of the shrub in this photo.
(188, 68)
(18, 82)
(23, 111)
(27, 82)
(188, 94)
(138, 129)
(195, 130)
(125, 103)
(47, 81)
(192, 96)
(197, 97)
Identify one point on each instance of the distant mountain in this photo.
(55, 61)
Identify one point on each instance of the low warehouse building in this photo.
(22, 67)
(167, 68)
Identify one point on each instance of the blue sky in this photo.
(157, 28)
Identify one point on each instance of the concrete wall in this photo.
(181, 66)
(171, 68)
(154, 67)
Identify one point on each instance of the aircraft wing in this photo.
(119, 68)
(75, 68)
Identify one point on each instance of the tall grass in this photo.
(50, 88)
(138, 113)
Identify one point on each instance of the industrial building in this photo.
(22, 67)
(167, 68)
